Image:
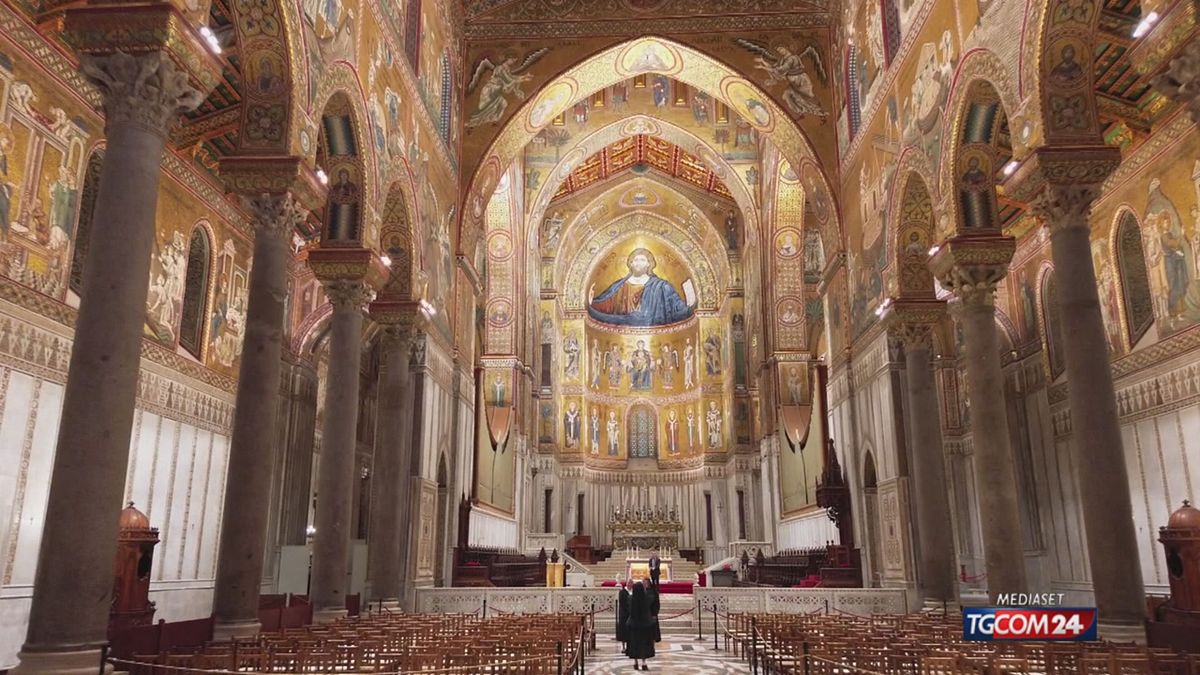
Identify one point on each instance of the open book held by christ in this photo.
(642, 298)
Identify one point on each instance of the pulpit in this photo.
(131, 605)
(1175, 622)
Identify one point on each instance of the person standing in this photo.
(655, 570)
(653, 600)
(639, 634)
(623, 599)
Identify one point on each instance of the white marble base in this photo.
(228, 631)
(1123, 632)
(79, 662)
(328, 615)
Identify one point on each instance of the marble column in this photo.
(1103, 478)
(335, 476)
(913, 327)
(390, 470)
(68, 621)
(971, 267)
(253, 438)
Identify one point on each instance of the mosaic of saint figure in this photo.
(614, 433)
(571, 424)
(713, 419)
(594, 429)
(641, 298)
(641, 367)
(571, 351)
(672, 432)
(692, 431)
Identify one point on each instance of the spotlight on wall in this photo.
(1011, 167)
(1145, 25)
(386, 260)
(322, 176)
(429, 309)
(211, 38)
(310, 530)
(883, 307)
(934, 249)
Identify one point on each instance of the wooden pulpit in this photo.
(131, 605)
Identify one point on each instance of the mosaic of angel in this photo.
(641, 298)
(783, 65)
(506, 79)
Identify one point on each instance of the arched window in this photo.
(1052, 318)
(195, 292)
(643, 439)
(447, 96)
(853, 105)
(83, 233)
(412, 34)
(1135, 280)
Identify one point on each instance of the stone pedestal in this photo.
(68, 621)
(1103, 478)
(252, 445)
(971, 266)
(913, 323)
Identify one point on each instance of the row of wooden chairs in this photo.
(391, 642)
(920, 644)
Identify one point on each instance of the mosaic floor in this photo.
(675, 655)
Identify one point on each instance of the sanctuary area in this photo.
(412, 335)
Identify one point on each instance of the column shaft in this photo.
(74, 580)
(1095, 432)
(929, 479)
(388, 486)
(252, 446)
(995, 477)
(335, 477)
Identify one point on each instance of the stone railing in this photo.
(514, 600)
(751, 548)
(536, 541)
(859, 601)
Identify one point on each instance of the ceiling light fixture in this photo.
(211, 38)
(1145, 25)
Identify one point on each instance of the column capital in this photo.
(1060, 183)
(401, 321)
(1180, 82)
(347, 293)
(146, 90)
(970, 266)
(274, 215)
(911, 322)
(148, 61)
(256, 176)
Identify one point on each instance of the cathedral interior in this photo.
(363, 304)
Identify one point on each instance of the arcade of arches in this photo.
(382, 282)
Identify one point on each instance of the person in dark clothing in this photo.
(655, 569)
(622, 615)
(639, 637)
(652, 599)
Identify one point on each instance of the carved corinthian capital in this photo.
(971, 266)
(274, 215)
(1181, 81)
(1064, 206)
(348, 294)
(146, 90)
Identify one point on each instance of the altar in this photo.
(637, 567)
(640, 529)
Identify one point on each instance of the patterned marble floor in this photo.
(675, 655)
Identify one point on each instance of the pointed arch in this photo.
(195, 290)
(1133, 278)
(1052, 324)
(396, 235)
(914, 224)
(270, 48)
(339, 155)
(687, 65)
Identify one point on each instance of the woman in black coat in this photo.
(652, 600)
(622, 615)
(639, 633)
